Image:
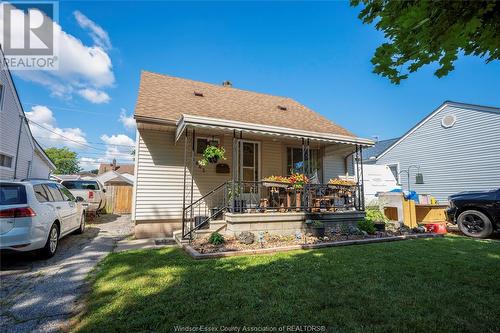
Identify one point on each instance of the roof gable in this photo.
(435, 112)
(168, 98)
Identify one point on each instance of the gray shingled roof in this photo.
(378, 148)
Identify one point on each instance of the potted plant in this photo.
(298, 180)
(212, 154)
(378, 218)
(317, 228)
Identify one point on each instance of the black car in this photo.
(476, 213)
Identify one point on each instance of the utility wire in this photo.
(94, 143)
(68, 109)
(62, 136)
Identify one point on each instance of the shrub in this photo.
(375, 215)
(317, 224)
(367, 225)
(216, 239)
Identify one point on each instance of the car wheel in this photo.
(81, 230)
(52, 243)
(475, 224)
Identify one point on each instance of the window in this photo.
(5, 161)
(66, 194)
(54, 191)
(80, 184)
(40, 193)
(294, 160)
(12, 194)
(395, 171)
(202, 143)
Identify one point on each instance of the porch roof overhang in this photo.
(223, 124)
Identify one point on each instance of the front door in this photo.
(249, 169)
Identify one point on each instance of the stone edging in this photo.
(196, 255)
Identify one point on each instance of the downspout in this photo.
(18, 144)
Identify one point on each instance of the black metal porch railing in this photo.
(264, 196)
(209, 207)
(242, 197)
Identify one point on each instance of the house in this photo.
(115, 178)
(21, 156)
(262, 135)
(113, 166)
(455, 148)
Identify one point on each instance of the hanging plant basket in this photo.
(212, 154)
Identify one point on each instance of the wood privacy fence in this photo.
(119, 199)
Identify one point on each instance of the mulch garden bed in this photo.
(201, 249)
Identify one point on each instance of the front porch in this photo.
(258, 195)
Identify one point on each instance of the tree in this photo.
(65, 160)
(422, 32)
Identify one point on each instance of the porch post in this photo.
(356, 157)
(303, 158)
(192, 180)
(184, 185)
(362, 179)
(234, 166)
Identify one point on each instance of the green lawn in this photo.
(450, 284)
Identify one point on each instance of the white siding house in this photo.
(20, 155)
(262, 135)
(456, 148)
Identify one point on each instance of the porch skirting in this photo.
(156, 228)
(273, 223)
(286, 223)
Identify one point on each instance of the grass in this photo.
(449, 284)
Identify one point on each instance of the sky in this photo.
(315, 52)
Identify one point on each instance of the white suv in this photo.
(35, 214)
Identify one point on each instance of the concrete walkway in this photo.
(41, 295)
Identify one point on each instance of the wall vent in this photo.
(448, 121)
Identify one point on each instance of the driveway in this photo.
(40, 295)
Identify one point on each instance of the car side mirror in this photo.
(103, 190)
(79, 199)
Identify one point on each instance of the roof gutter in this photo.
(158, 121)
(197, 121)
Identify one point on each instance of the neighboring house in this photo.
(115, 178)
(119, 189)
(262, 135)
(370, 154)
(113, 166)
(455, 148)
(20, 154)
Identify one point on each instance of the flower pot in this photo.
(379, 226)
(213, 160)
(297, 201)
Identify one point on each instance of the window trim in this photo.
(398, 178)
(206, 138)
(11, 162)
(320, 159)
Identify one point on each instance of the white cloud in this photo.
(119, 146)
(127, 121)
(80, 66)
(119, 139)
(97, 33)
(94, 96)
(51, 135)
(88, 163)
